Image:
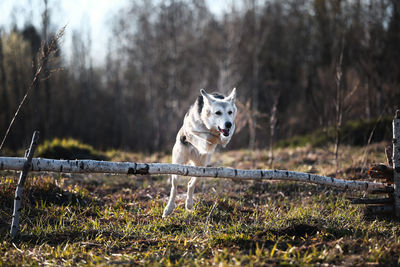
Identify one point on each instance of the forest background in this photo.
(298, 66)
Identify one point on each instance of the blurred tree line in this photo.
(297, 66)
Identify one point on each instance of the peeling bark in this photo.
(93, 166)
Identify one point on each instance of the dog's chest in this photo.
(204, 143)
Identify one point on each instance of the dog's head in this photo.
(218, 113)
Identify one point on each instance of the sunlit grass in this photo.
(106, 219)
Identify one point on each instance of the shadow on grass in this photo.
(45, 190)
(386, 217)
(172, 228)
(53, 194)
(70, 236)
(295, 233)
(243, 242)
(38, 193)
(267, 238)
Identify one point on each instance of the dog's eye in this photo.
(218, 113)
(229, 112)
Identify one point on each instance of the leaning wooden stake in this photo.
(20, 186)
(396, 162)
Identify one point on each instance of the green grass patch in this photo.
(68, 149)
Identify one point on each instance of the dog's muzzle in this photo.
(225, 132)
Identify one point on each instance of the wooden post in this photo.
(20, 187)
(396, 162)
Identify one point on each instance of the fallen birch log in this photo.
(93, 166)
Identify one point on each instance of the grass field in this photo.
(107, 219)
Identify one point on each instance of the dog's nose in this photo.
(228, 124)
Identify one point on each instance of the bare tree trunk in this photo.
(255, 73)
(153, 105)
(368, 101)
(396, 162)
(151, 96)
(272, 129)
(339, 106)
(4, 95)
(228, 77)
(172, 100)
(118, 104)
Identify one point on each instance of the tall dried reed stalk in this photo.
(47, 50)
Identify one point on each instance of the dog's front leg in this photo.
(171, 202)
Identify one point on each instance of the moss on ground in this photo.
(354, 133)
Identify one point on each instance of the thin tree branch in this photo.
(44, 53)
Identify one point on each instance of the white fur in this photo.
(198, 137)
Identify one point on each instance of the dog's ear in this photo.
(232, 96)
(206, 96)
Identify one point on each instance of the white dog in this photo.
(210, 121)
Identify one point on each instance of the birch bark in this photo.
(93, 166)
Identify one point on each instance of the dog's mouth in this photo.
(225, 132)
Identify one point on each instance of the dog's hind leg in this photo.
(189, 199)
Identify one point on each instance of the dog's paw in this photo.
(168, 209)
(189, 204)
